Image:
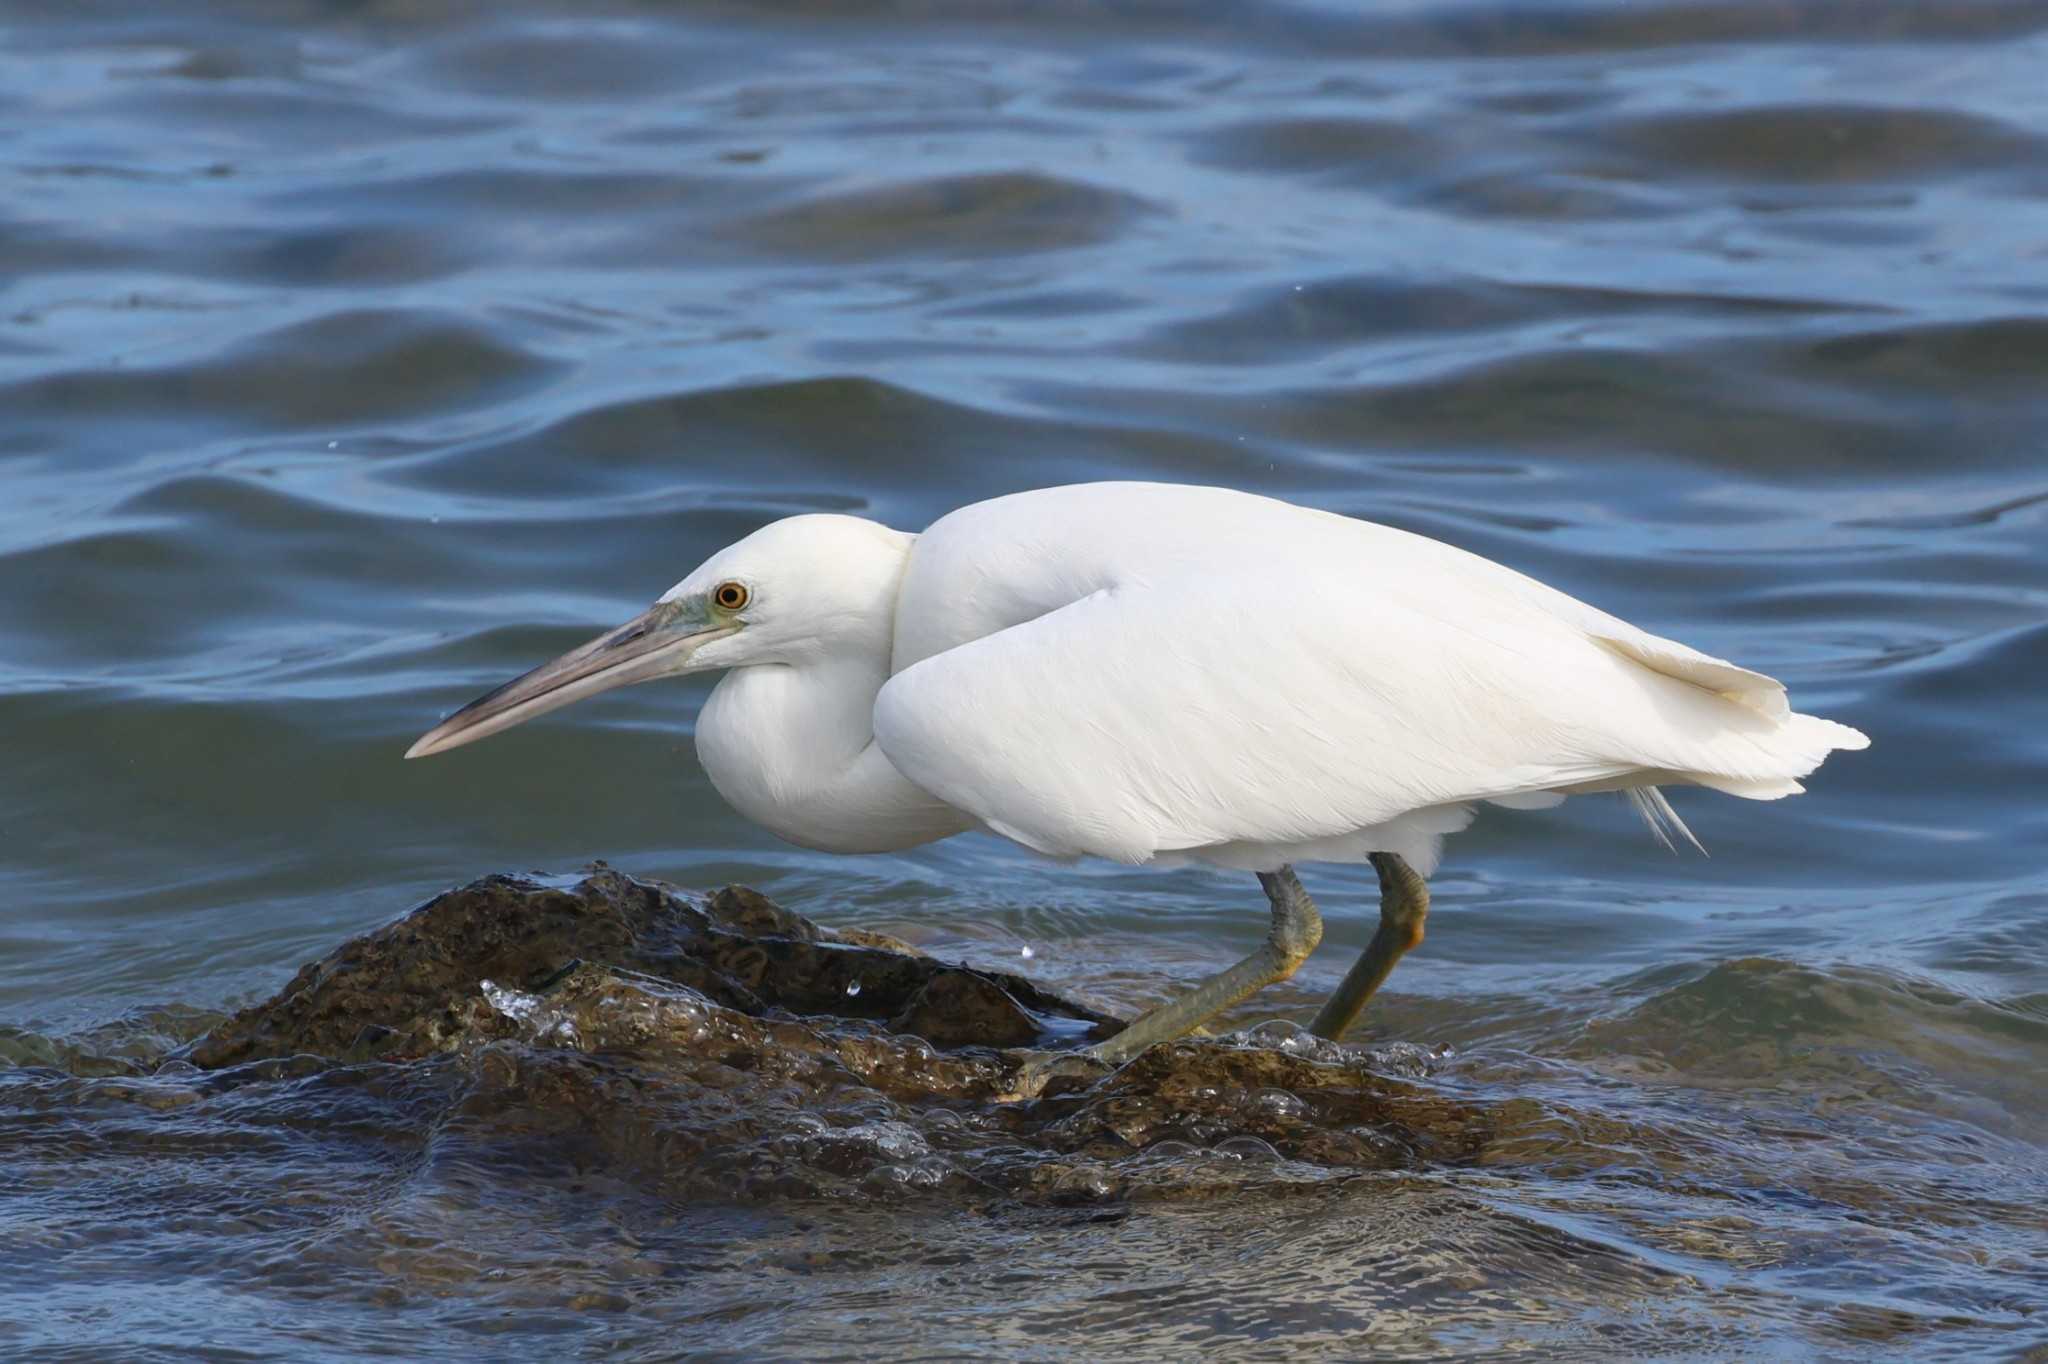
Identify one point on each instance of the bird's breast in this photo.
(792, 749)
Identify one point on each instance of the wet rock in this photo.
(960, 1008)
(722, 1047)
(742, 909)
(713, 1102)
(414, 987)
(1209, 1095)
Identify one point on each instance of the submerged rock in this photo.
(728, 1048)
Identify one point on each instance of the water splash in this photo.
(541, 1022)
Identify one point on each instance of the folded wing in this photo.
(1208, 710)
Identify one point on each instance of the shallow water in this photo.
(355, 357)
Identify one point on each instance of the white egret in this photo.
(1153, 673)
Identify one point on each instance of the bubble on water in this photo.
(896, 1140)
(1281, 1035)
(852, 988)
(887, 1138)
(928, 1173)
(1086, 1183)
(1245, 1148)
(1278, 1103)
(1026, 952)
(1278, 1034)
(1406, 1058)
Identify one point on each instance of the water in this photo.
(354, 357)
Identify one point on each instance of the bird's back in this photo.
(1131, 670)
(999, 563)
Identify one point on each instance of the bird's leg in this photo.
(1297, 928)
(1404, 904)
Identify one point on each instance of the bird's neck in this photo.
(791, 747)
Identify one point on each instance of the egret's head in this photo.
(796, 590)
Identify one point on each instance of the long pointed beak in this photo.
(655, 643)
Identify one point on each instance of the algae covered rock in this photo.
(722, 1047)
(416, 986)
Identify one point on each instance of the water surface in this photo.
(354, 357)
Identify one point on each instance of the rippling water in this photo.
(356, 356)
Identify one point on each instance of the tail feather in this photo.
(1722, 727)
(1826, 734)
(1662, 819)
(1798, 745)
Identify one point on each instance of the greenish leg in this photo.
(1297, 928)
(1404, 904)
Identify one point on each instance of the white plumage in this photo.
(1150, 672)
(1174, 670)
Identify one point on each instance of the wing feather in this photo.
(1080, 671)
(1148, 719)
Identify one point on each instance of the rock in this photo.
(414, 987)
(722, 1047)
(960, 1008)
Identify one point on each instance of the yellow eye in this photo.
(730, 596)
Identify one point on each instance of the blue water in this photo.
(356, 357)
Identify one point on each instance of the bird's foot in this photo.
(1057, 1072)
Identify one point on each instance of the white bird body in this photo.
(1149, 672)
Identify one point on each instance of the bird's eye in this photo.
(730, 596)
